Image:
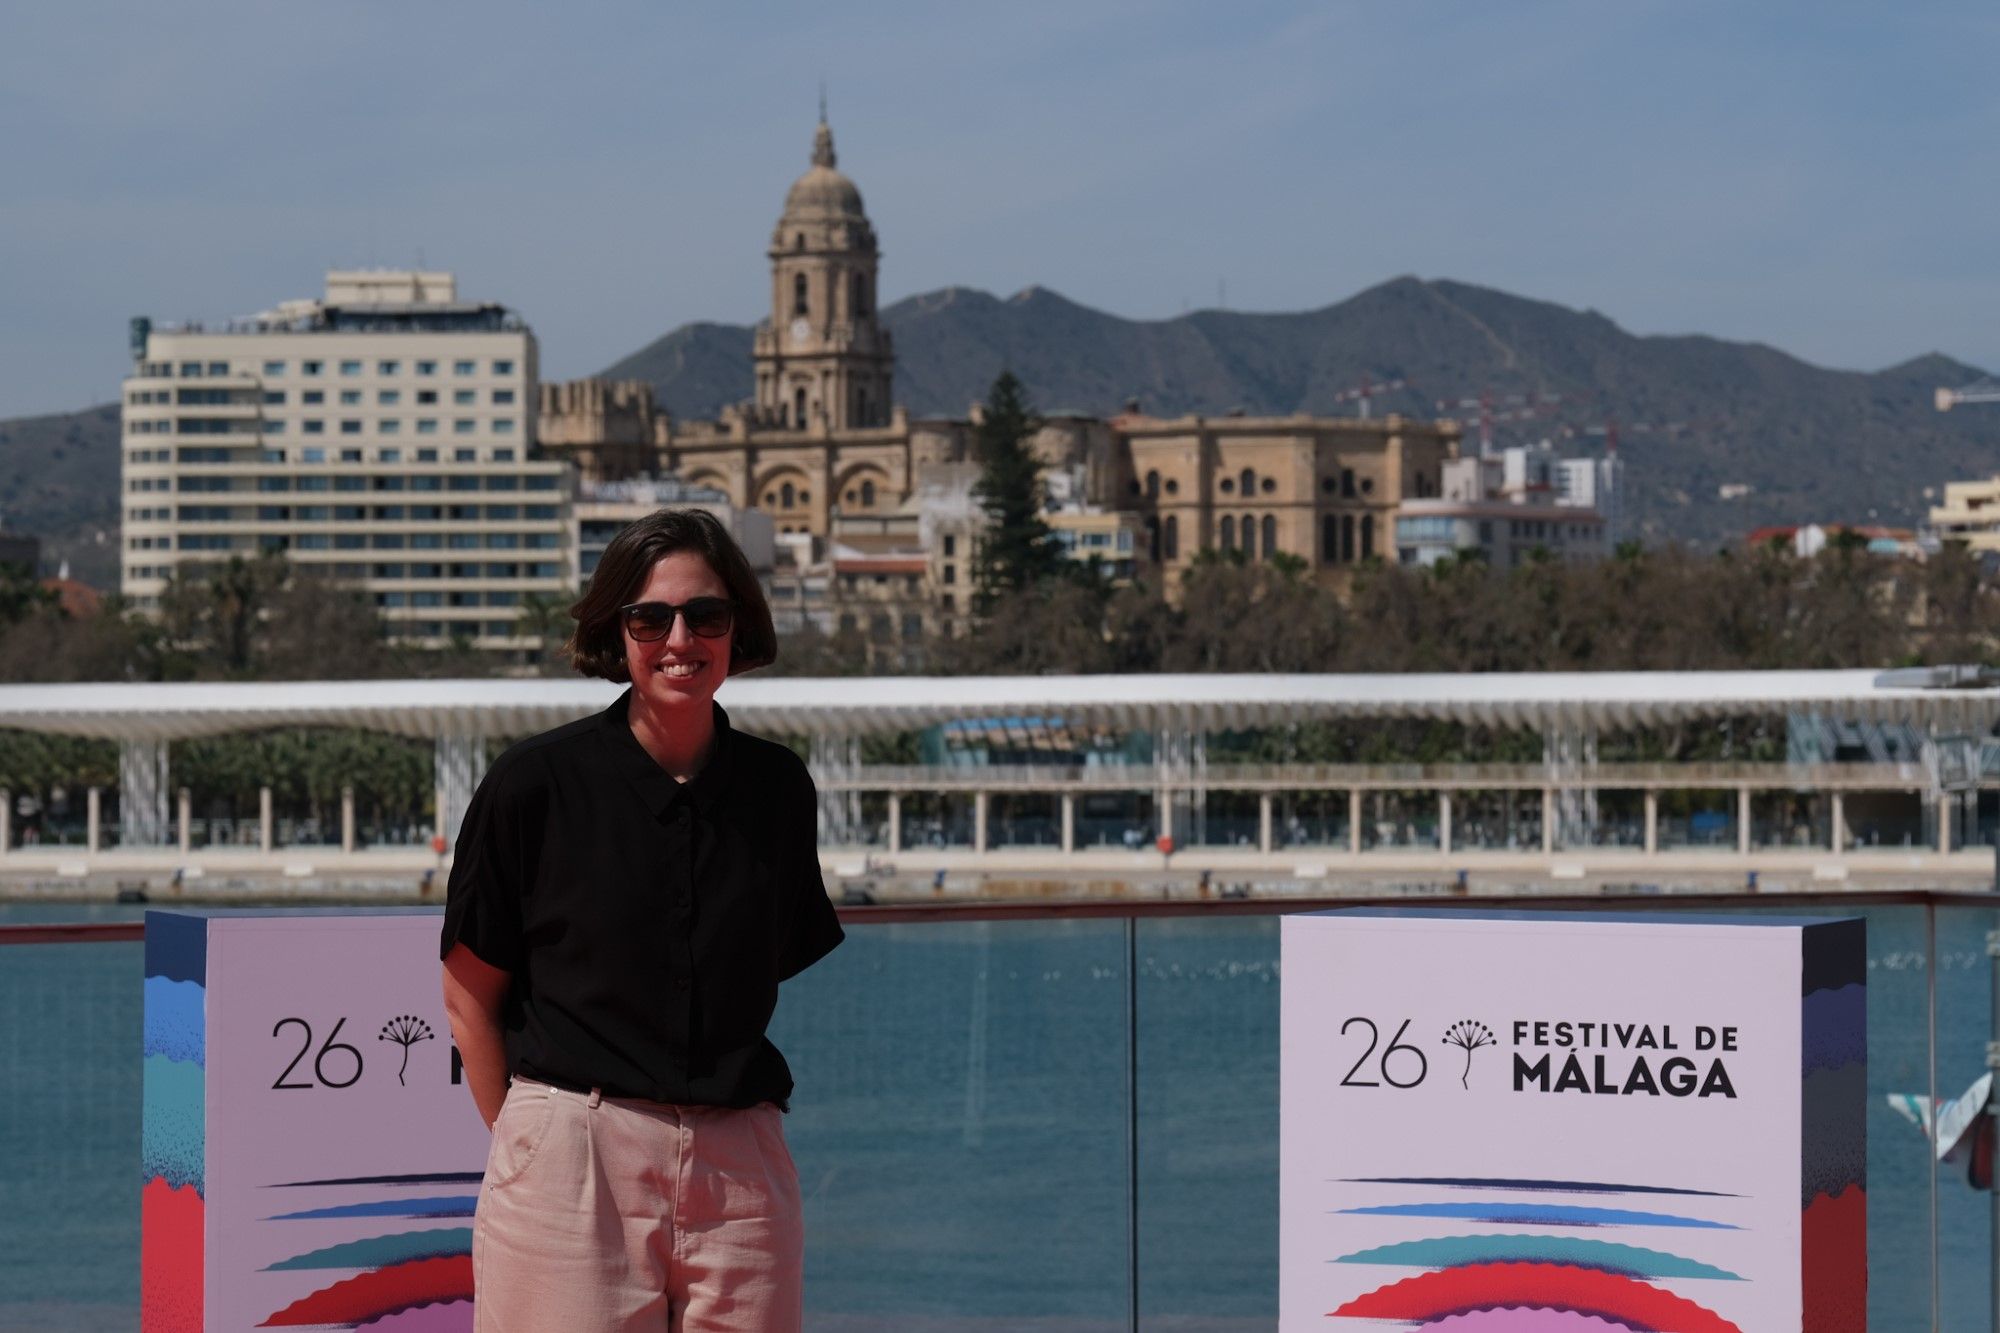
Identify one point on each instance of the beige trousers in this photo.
(601, 1214)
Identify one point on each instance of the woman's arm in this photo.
(474, 991)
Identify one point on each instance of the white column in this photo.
(347, 819)
(1548, 821)
(93, 828)
(895, 823)
(185, 820)
(1354, 821)
(1264, 822)
(6, 821)
(1743, 820)
(1652, 799)
(1944, 805)
(1068, 822)
(456, 767)
(1163, 813)
(1837, 833)
(142, 793)
(1444, 822)
(266, 829)
(979, 821)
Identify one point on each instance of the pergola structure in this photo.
(462, 716)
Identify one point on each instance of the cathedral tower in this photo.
(823, 359)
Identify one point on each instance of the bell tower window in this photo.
(798, 294)
(861, 296)
(799, 408)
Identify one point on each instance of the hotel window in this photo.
(462, 368)
(503, 397)
(503, 455)
(350, 455)
(389, 455)
(313, 456)
(274, 396)
(388, 367)
(388, 397)
(312, 397)
(313, 427)
(274, 367)
(466, 396)
(427, 367)
(350, 367)
(505, 426)
(427, 426)
(503, 367)
(465, 455)
(218, 367)
(311, 367)
(389, 427)
(191, 370)
(425, 396)
(463, 426)
(350, 397)
(274, 428)
(350, 428)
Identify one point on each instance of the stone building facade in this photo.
(821, 446)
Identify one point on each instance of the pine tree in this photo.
(1018, 550)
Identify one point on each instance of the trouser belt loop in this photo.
(596, 1096)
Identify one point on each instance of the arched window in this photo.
(798, 294)
(799, 408)
(1247, 482)
(860, 296)
(1227, 540)
(1153, 537)
(1329, 538)
(867, 495)
(798, 240)
(1172, 540)
(1347, 539)
(786, 495)
(1367, 536)
(861, 408)
(1347, 482)
(1270, 535)
(1152, 485)
(1250, 535)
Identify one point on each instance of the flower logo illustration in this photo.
(406, 1030)
(1468, 1035)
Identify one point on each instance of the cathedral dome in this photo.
(823, 194)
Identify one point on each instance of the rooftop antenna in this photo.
(822, 101)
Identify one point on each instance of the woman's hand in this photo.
(474, 991)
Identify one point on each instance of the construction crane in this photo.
(1986, 390)
(1363, 393)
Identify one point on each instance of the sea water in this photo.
(963, 1118)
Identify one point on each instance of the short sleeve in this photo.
(489, 875)
(815, 927)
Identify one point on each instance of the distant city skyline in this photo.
(1817, 177)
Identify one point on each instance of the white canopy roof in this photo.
(840, 707)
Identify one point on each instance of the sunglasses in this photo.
(708, 617)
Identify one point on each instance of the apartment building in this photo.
(384, 433)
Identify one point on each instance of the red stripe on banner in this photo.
(384, 1291)
(1541, 1285)
(170, 1255)
(1834, 1262)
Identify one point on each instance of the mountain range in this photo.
(1697, 418)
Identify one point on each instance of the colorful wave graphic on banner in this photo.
(381, 1292)
(172, 1144)
(1535, 1282)
(408, 1281)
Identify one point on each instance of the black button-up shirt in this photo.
(646, 922)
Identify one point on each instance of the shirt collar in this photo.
(659, 789)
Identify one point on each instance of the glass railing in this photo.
(1024, 1118)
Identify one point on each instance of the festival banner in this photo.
(310, 1154)
(1493, 1122)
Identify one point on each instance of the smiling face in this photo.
(683, 669)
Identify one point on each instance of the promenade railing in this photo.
(1054, 1116)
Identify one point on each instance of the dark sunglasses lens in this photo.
(649, 622)
(709, 617)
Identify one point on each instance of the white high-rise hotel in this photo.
(386, 433)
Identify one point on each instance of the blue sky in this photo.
(1820, 176)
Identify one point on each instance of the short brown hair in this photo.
(597, 648)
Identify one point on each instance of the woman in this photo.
(627, 894)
